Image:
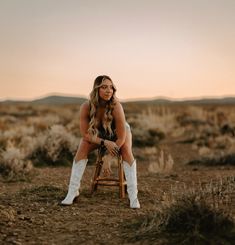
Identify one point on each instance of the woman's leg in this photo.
(126, 149)
(129, 166)
(78, 168)
(84, 149)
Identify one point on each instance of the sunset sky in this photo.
(150, 48)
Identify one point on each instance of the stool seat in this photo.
(108, 181)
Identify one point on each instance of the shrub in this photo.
(228, 159)
(14, 135)
(14, 165)
(146, 138)
(57, 148)
(186, 221)
(164, 120)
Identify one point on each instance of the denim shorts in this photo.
(128, 127)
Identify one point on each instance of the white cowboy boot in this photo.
(131, 179)
(75, 179)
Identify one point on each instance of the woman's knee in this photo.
(126, 153)
(84, 149)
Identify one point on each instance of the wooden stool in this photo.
(106, 181)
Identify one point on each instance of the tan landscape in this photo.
(186, 177)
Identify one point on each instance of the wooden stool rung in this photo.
(104, 183)
(107, 179)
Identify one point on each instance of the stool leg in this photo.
(98, 167)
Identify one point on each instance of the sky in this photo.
(150, 48)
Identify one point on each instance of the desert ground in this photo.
(186, 178)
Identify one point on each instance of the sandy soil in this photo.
(31, 212)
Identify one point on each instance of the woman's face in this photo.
(106, 90)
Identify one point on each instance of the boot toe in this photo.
(67, 201)
(70, 198)
(135, 204)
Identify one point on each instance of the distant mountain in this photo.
(226, 100)
(59, 100)
(49, 100)
(205, 101)
(63, 100)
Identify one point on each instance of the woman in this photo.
(102, 122)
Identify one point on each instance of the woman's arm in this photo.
(120, 123)
(84, 124)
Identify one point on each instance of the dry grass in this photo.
(50, 134)
(163, 164)
(162, 118)
(190, 215)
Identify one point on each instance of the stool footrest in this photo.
(110, 183)
(107, 179)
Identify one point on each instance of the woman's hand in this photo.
(112, 147)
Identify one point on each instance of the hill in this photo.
(205, 101)
(49, 100)
(62, 100)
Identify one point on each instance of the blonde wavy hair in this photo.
(95, 103)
